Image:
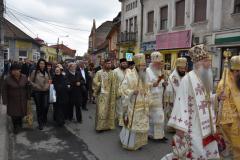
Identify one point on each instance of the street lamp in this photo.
(57, 49)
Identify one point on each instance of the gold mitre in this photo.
(198, 53)
(156, 57)
(139, 59)
(181, 62)
(235, 63)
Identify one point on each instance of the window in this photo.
(200, 10)
(180, 13)
(127, 25)
(135, 24)
(237, 6)
(6, 54)
(150, 21)
(23, 54)
(36, 56)
(131, 6)
(164, 18)
(131, 25)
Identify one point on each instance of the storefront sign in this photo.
(149, 46)
(173, 40)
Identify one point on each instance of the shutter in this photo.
(150, 21)
(180, 13)
(200, 10)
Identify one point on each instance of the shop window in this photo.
(180, 13)
(168, 59)
(200, 13)
(237, 6)
(163, 18)
(150, 20)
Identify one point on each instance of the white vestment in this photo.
(193, 114)
(121, 107)
(156, 113)
(170, 93)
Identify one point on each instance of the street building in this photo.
(98, 44)
(18, 45)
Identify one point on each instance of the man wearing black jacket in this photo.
(85, 86)
(76, 82)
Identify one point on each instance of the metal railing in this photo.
(124, 37)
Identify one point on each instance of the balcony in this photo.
(127, 37)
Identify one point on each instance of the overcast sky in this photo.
(75, 14)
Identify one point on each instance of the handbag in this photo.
(29, 117)
(52, 94)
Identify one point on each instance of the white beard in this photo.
(142, 75)
(157, 72)
(206, 77)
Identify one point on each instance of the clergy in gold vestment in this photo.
(120, 74)
(230, 114)
(136, 92)
(105, 92)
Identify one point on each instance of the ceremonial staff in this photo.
(227, 54)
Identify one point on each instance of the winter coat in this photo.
(40, 82)
(60, 85)
(15, 95)
(75, 91)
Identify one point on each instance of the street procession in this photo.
(160, 81)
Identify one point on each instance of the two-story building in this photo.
(173, 26)
(19, 45)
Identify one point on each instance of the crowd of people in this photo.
(24, 81)
(145, 101)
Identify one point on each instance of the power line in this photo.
(26, 19)
(23, 24)
(45, 21)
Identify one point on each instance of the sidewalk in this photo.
(3, 133)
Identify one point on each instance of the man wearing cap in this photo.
(120, 74)
(155, 77)
(104, 84)
(229, 120)
(173, 85)
(193, 112)
(136, 92)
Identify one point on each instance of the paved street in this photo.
(79, 142)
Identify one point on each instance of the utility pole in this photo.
(57, 49)
(1, 36)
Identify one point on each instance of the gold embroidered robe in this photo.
(105, 93)
(135, 134)
(230, 117)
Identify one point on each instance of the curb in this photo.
(4, 137)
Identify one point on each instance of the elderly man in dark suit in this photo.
(84, 87)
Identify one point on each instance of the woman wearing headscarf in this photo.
(61, 86)
(40, 81)
(15, 96)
